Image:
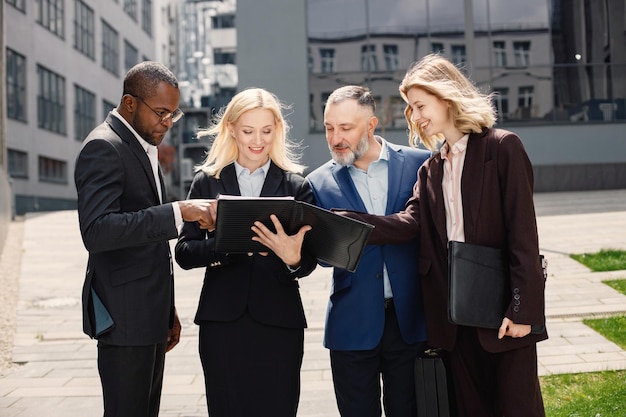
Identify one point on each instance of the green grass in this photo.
(613, 328)
(593, 394)
(605, 260)
(617, 284)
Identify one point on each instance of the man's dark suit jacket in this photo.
(126, 232)
(498, 211)
(235, 282)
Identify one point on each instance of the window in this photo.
(130, 8)
(368, 58)
(522, 53)
(50, 101)
(49, 14)
(84, 112)
(499, 54)
(131, 55)
(18, 4)
(84, 39)
(223, 21)
(458, 54)
(18, 164)
(52, 170)
(146, 16)
(323, 99)
(396, 106)
(110, 49)
(437, 48)
(525, 96)
(16, 85)
(327, 60)
(222, 56)
(392, 62)
(107, 106)
(502, 102)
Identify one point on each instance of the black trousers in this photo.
(132, 378)
(357, 375)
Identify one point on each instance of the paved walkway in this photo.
(57, 374)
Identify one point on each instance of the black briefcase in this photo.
(431, 385)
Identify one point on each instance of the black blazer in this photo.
(234, 283)
(126, 232)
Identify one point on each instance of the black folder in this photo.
(478, 285)
(479, 290)
(334, 239)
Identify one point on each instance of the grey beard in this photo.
(353, 156)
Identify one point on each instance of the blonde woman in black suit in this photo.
(250, 313)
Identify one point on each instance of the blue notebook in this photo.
(102, 318)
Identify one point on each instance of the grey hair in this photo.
(362, 95)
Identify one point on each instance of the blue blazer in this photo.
(355, 317)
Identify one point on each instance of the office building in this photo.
(557, 68)
(65, 63)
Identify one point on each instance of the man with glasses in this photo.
(125, 222)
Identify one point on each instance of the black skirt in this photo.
(251, 368)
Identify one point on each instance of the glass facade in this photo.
(548, 61)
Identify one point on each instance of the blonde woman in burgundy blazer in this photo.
(494, 371)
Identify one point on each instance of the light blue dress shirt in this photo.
(372, 186)
(251, 184)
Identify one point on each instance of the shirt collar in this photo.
(141, 140)
(240, 169)
(459, 147)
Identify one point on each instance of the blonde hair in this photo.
(470, 110)
(224, 150)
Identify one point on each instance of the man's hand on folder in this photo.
(287, 248)
(203, 211)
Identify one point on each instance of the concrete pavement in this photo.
(57, 374)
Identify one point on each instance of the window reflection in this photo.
(546, 60)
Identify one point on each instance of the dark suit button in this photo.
(516, 296)
(516, 309)
(517, 302)
(379, 276)
(515, 290)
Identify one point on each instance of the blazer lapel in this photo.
(273, 181)
(129, 138)
(472, 181)
(344, 181)
(435, 193)
(394, 179)
(228, 177)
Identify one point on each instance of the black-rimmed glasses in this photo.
(164, 116)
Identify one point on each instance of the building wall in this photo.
(41, 47)
(5, 192)
(274, 55)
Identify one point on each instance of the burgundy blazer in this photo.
(498, 210)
